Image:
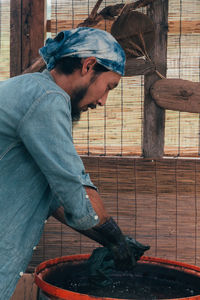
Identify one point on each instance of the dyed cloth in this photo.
(85, 42)
(40, 170)
(101, 263)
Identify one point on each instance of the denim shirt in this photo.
(40, 170)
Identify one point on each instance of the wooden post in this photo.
(28, 23)
(15, 37)
(154, 116)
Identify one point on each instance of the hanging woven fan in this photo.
(135, 32)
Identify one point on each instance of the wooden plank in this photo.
(15, 38)
(154, 116)
(26, 289)
(134, 67)
(177, 94)
(187, 27)
(33, 30)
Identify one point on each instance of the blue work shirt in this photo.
(40, 170)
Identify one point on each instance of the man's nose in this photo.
(102, 100)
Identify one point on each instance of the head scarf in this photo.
(85, 42)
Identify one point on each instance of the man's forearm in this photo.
(96, 203)
(90, 233)
(126, 251)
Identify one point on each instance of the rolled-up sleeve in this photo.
(45, 131)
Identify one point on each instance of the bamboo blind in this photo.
(117, 128)
(4, 39)
(157, 202)
(182, 129)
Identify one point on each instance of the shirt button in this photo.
(87, 196)
(96, 217)
(21, 273)
(34, 248)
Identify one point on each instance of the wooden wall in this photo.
(157, 202)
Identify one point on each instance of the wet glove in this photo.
(125, 250)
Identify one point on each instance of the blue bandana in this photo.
(85, 42)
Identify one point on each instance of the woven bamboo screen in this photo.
(117, 128)
(4, 39)
(182, 129)
(157, 202)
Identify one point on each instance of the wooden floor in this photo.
(157, 202)
(26, 288)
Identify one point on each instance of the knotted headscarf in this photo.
(85, 42)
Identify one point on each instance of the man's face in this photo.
(94, 93)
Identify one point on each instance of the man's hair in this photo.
(67, 65)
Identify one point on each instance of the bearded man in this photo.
(41, 172)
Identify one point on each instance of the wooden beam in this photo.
(134, 67)
(154, 116)
(28, 28)
(177, 94)
(15, 37)
(33, 30)
(187, 27)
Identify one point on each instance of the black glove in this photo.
(126, 251)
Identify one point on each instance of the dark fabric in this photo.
(102, 265)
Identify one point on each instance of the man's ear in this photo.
(88, 65)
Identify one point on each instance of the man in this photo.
(41, 173)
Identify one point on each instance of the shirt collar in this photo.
(48, 74)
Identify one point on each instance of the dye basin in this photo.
(153, 278)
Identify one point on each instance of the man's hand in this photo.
(126, 251)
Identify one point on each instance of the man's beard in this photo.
(76, 97)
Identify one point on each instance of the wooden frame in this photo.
(154, 116)
(173, 26)
(28, 28)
